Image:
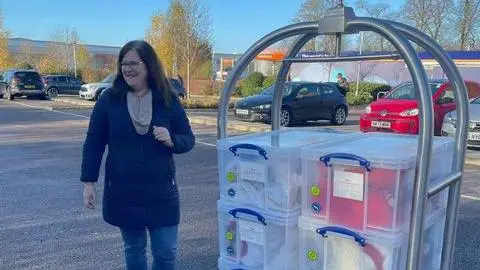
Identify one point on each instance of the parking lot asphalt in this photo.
(43, 224)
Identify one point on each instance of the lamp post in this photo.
(74, 59)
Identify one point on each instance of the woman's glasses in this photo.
(131, 64)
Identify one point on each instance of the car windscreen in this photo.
(25, 75)
(269, 91)
(476, 101)
(408, 91)
(109, 79)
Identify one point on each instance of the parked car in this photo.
(398, 110)
(92, 91)
(61, 84)
(450, 123)
(17, 83)
(302, 101)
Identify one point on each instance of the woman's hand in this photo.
(89, 196)
(161, 134)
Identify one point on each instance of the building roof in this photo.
(41, 47)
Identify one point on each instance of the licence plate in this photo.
(474, 136)
(380, 124)
(30, 86)
(243, 112)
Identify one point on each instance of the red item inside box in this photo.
(379, 200)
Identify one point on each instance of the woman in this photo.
(143, 123)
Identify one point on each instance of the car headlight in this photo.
(91, 88)
(368, 109)
(449, 120)
(410, 112)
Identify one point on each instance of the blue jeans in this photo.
(164, 248)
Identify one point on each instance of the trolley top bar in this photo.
(342, 58)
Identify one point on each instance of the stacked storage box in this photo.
(357, 201)
(260, 197)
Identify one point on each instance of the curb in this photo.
(239, 127)
(73, 102)
(472, 161)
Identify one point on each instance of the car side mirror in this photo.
(381, 95)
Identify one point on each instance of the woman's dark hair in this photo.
(157, 80)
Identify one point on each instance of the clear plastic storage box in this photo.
(325, 247)
(262, 170)
(367, 183)
(252, 239)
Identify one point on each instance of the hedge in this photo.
(367, 92)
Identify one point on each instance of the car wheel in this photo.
(339, 116)
(285, 117)
(9, 95)
(52, 92)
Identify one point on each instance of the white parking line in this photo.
(84, 117)
(470, 197)
(51, 110)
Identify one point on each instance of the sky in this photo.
(236, 24)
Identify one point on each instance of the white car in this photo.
(91, 91)
(450, 124)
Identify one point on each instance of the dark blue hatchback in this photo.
(302, 101)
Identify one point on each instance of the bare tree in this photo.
(194, 36)
(373, 41)
(313, 10)
(468, 23)
(367, 69)
(429, 16)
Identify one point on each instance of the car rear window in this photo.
(27, 75)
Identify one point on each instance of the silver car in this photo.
(92, 91)
(449, 124)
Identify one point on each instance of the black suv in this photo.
(61, 84)
(302, 101)
(16, 83)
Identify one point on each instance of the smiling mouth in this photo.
(131, 75)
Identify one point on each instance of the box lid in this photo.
(287, 139)
(259, 215)
(379, 149)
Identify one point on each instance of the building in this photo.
(36, 49)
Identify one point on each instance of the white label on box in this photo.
(252, 232)
(253, 171)
(348, 185)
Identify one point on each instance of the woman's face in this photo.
(134, 70)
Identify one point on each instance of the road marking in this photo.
(207, 144)
(470, 197)
(52, 110)
(85, 117)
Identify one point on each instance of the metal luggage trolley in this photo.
(339, 21)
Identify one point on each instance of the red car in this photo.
(398, 111)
